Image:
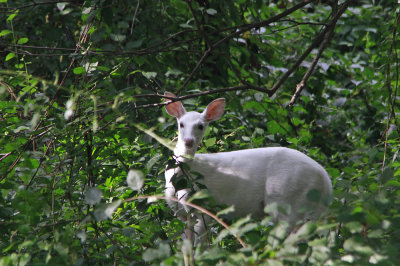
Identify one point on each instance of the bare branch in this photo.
(326, 36)
(313, 45)
(236, 33)
(263, 23)
(302, 83)
(134, 16)
(37, 4)
(199, 28)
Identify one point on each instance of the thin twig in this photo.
(37, 4)
(204, 56)
(19, 156)
(263, 23)
(194, 95)
(82, 39)
(313, 45)
(9, 89)
(40, 164)
(134, 16)
(325, 36)
(392, 113)
(198, 26)
(239, 32)
(302, 83)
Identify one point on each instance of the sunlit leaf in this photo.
(79, 70)
(22, 40)
(10, 56)
(4, 32)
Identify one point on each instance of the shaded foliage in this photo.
(80, 96)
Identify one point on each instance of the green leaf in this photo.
(79, 70)
(153, 160)
(202, 194)
(134, 44)
(210, 142)
(4, 32)
(134, 72)
(10, 56)
(12, 16)
(22, 40)
(273, 127)
(387, 175)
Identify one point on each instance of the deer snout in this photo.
(189, 143)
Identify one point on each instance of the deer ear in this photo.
(214, 110)
(174, 109)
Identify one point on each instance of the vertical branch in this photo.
(89, 149)
(392, 95)
(198, 25)
(301, 84)
(134, 16)
(324, 37)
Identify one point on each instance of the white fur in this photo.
(247, 179)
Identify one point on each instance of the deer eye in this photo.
(200, 127)
(181, 125)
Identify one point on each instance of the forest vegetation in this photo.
(85, 140)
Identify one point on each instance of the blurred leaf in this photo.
(4, 32)
(118, 37)
(211, 11)
(93, 196)
(161, 252)
(105, 211)
(135, 179)
(357, 245)
(210, 142)
(149, 75)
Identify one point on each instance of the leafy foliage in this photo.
(84, 137)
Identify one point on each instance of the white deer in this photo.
(247, 179)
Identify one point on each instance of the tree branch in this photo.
(302, 83)
(313, 45)
(38, 4)
(237, 33)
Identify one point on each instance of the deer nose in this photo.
(189, 143)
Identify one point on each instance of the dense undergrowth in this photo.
(80, 109)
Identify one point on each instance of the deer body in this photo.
(247, 179)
